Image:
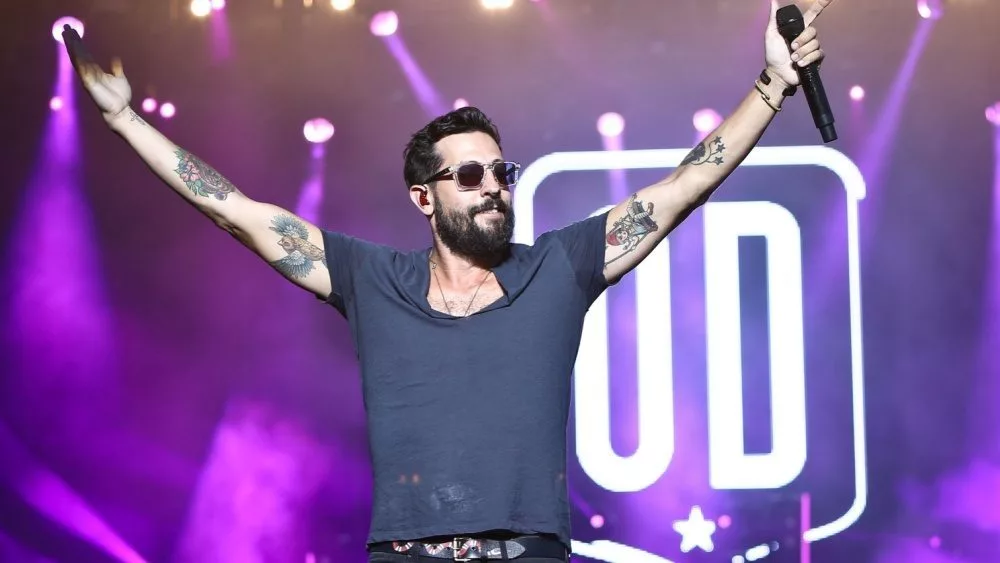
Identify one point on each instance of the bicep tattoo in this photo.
(301, 255)
(201, 178)
(706, 152)
(632, 227)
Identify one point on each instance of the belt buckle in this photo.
(456, 544)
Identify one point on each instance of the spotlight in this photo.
(149, 105)
(56, 103)
(724, 521)
(460, 103)
(341, 5)
(993, 114)
(57, 28)
(497, 4)
(857, 93)
(706, 120)
(610, 124)
(218, 5)
(167, 110)
(384, 24)
(930, 9)
(201, 8)
(597, 521)
(318, 130)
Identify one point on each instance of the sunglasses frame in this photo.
(452, 171)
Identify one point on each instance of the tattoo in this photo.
(133, 116)
(302, 254)
(708, 151)
(632, 227)
(201, 178)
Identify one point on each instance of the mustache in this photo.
(489, 205)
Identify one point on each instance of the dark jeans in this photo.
(399, 558)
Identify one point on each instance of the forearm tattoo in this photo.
(301, 254)
(634, 226)
(201, 178)
(706, 152)
(133, 116)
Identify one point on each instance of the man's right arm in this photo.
(288, 243)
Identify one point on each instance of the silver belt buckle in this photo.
(456, 544)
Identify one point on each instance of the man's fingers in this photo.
(808, 35)
(811, 58)
(116, 67)
(807, 49)
(815, 10)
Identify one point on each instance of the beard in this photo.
(463, 236)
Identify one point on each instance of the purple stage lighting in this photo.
(318, 130)
(461, 103)
(149, 105)
(610, 124)
(57, 28)
(993, 114)
(929, 9)
(56, 103)
(857, 93)
(597, 521)
(706, 120)
(167, 110)
(384, 24)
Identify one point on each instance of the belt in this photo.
(464, 548)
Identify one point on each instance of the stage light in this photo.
(706, 120)
(857, 93)
(56, 103)
(497, 4)
(993, 114)
(460, 103)
(597, 521)
(610, 124)
(149, 105)
(384, 24)
(167, 110)
(318, 130)
(218, 5)
(201, 8)
(934, 542)
(724, 521)
(930, 9)
(341, 5)
(57, 28)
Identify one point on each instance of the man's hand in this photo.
(111, 92)
(805, 49)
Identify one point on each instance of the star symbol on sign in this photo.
(695, 531)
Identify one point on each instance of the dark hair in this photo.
(421, 160)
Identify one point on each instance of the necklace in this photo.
(441, 290)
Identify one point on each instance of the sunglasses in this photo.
(470, 175)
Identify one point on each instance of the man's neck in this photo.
(459, 270)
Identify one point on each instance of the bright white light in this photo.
(706, 120)
(149, 105)
(384, 24)
(167, 110)
(318, 130)
(597, 521)
(57, 28)
(218, 5)
(929, 9)
(341, 5)
(857, 93)
(696, 531)
(993, 114)
(758, 552)
(56, 103)
(201, 8)
(497, 4)
(460, 103)
(610, 124)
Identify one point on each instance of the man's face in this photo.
(477, 223)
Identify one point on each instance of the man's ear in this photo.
(422, 197)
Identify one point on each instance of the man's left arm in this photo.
(637, 225)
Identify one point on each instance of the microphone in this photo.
(790, 26)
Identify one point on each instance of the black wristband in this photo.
(765, 79)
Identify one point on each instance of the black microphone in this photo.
(790, 26)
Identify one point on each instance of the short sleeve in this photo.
(345, 256)
(583, 243)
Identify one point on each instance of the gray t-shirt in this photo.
(467, 416)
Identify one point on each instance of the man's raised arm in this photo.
(636, 226)
(288, 243)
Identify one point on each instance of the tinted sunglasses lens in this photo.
(470, 175)
(506, 173)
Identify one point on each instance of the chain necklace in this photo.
(441, 290)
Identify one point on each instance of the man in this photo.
(467, 347)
